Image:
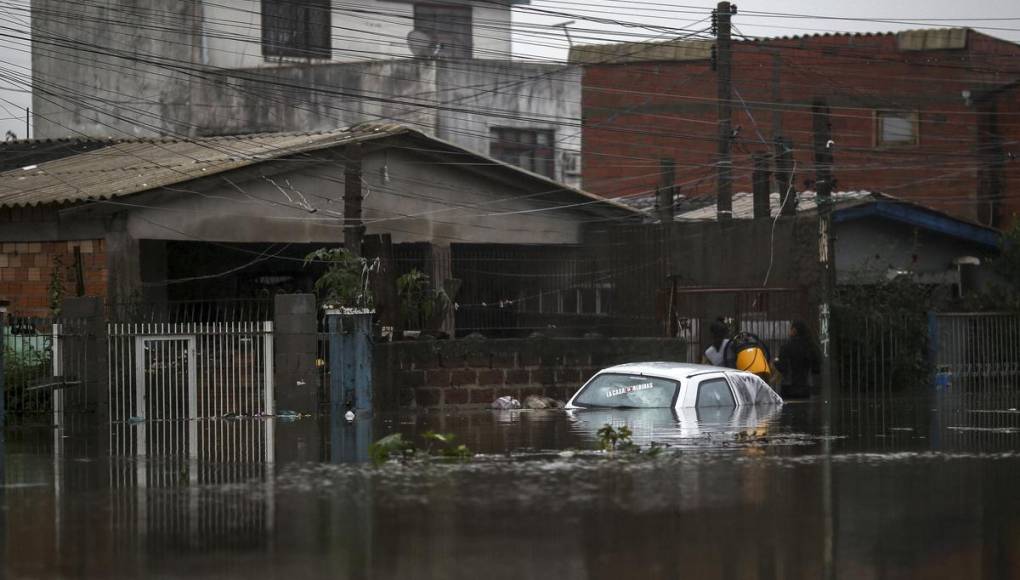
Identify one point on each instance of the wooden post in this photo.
(724, 197)
(760, 188)
(826, 263)
(354, 228)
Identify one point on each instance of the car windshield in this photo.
(619, 390)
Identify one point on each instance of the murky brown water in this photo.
(879, 489)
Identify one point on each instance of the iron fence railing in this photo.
(45, 365)
(687, 312)
(879, 353)
(188, 311)
(976, 349)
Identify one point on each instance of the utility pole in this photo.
(28, 119)
(354, 229)
(827, 270)
(724, 197)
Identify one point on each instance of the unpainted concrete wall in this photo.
(406, 194)
(361, 30)
(112, 68)
(486, 94)
(867, 250)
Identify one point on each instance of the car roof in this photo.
(669, 370)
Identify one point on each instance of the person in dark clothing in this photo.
(798, 361)
(715, 354)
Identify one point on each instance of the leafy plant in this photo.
(884, 326)
(447, 445)
(420, 304)
(1002, 294)
(392, 446)
(395, 446)
(345, 282)
(611, 439)
(22, 366)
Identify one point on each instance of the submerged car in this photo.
(668, 385)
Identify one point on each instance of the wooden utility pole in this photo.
(760, 188)
(354, 229)
(827, 270)
(724, 197)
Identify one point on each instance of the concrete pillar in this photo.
(85, 351)
(124, 265)
(295, 327)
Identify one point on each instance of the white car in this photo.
(668, 385)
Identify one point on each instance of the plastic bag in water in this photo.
(506, 402)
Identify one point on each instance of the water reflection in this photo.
(890, 489)
(684, 427)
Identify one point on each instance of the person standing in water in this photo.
(799, 362)
(715, 354)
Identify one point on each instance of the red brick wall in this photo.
(27, 270)
(637, 113)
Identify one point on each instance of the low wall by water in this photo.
(446, 374)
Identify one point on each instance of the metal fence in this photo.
(192, 370)
(187, 311)
(765, 312)
(45, 366)
(976, 349)
(878, 353)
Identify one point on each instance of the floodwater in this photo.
(917, 488)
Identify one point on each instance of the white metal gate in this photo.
(162, 371)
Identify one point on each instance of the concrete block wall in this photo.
(471, 373)
(27, 270)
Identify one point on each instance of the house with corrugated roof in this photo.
(155, 220)
(877, 237)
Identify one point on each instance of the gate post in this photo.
(350, 360)
(295, 340)
(92, 348)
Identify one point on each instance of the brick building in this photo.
(155, 221)
(932, 116)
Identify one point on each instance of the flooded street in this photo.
(918, 488)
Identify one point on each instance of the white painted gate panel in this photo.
(190, 371)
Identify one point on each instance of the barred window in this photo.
(448, 26)
(296, 28)
(530, 149)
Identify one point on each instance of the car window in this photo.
(620, 390)
(715, 393)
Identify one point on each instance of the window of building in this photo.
(296, 28)
(530, 149)
(896, 128)
(448, 26)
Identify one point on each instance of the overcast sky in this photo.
(999, 18)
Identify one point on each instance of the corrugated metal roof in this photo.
(132, 166)
(689, 50)
(743, 204)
